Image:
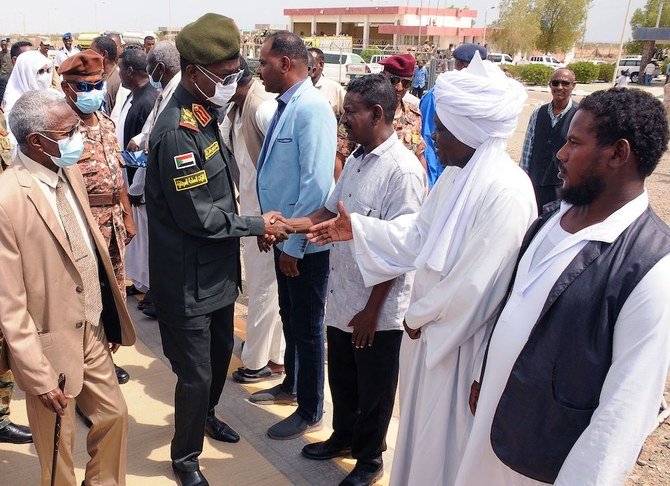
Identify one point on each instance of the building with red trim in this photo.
(395, 26)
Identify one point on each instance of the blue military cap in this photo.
(465, 52)
(66, 36)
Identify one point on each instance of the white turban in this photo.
(480, 106)
(24, 77)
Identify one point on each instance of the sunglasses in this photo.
(406, 82)
(230, 79)
(556, 82)
(86, 87)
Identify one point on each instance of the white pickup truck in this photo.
(372, 67)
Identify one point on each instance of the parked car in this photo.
(375, 67)
(337, 64)
(547, 61)
(499, 58)
(632, 65)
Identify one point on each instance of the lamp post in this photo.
(623, 33)
(486, 12)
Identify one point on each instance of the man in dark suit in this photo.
(138, 106)
(194, 231)
(135, 111)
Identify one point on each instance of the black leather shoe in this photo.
(328, 449)
(363, 475)
(190, 478)
(83, 417)
(121, 375)
(15, 434)
(219, 430)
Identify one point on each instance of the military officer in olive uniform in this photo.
(194, 231)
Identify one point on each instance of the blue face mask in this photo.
(156, 84)
(70, 150)
(91, 101)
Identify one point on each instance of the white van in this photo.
(335, 65)
(632, 65)
(547, 61)
(500, 58)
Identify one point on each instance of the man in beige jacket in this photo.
(61, 311)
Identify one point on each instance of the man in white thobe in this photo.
(463, 245)
(164, 74)
(243, 130)
(603, 167)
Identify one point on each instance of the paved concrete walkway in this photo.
(255, 460)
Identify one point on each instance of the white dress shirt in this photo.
(47, 180)
(633, 388)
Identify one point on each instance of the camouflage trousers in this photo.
(6, 389)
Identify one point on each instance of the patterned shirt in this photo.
(100, 165)
(407, 124)
(530, 134)
(384, 184)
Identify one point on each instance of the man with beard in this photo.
(547, 133)
(577, 362)
(463, 245)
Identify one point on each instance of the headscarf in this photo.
(480, 106)
(24, 77)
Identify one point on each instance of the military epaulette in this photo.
(187, 120)
(201, 114)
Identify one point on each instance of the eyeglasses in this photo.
(86, 87)
(69, 133)
(406, 82)
(556, 82)
(230, 79)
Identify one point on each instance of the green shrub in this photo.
(537, 74)
(367, 54)
(585, 71)
(515, 71)
(606, 72)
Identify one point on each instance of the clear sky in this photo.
(606, 17)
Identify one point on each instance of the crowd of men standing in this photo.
(529, 351)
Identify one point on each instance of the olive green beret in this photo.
(212, 38)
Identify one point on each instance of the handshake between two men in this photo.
(322, 227)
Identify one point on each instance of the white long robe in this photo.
(265, 338)
(452, 310)
(633, 388)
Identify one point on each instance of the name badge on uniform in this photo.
(190, 181)
(211, 150)
(184, 161)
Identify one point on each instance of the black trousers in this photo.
(363, 383)
(199, 349)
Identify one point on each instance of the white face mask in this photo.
(222, 93)
(44, 80)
